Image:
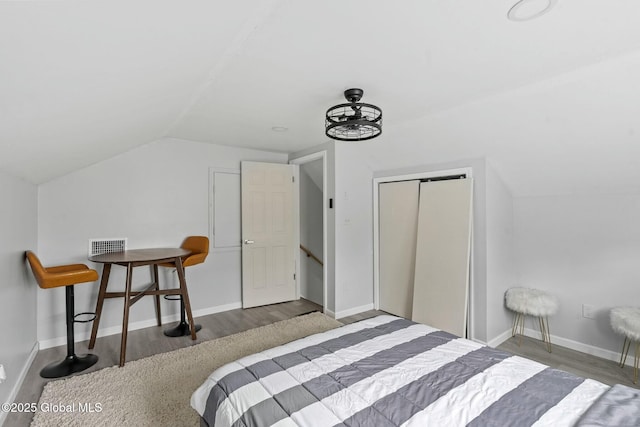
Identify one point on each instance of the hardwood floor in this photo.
(150, 341)
(581, 364)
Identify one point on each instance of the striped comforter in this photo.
(389, 371)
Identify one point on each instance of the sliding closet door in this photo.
(441, 285)
(398, 224)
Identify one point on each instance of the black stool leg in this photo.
(72, 363)
(182, 329)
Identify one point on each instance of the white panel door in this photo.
(268, 257)
(398, 226)
(441, 286)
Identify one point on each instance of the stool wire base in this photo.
(182, 329)
(625, 351)
(518, 321)
(544, 329)
(636, 357)
(635, 364)
(72, 363)
(517, 330)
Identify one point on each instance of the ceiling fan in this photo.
(355, 120)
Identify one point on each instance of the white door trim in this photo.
(468, 171)
(296, 203)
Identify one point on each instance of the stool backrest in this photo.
(199, 247)
(61, 275)
(38, 270)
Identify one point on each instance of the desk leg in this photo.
(154, 275)
(106, 269)
(125, 317)
(185, 297)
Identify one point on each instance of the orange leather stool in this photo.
(199, 247)
(67, 276)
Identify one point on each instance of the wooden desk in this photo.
(136, 258)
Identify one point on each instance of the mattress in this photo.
(389, 371)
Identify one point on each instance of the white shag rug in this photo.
(155, 391)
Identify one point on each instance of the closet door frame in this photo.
(468, 171)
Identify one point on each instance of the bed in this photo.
(389, 371)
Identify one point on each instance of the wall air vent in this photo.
(103, 246)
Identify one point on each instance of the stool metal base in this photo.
(183, 327)
(518, 329)
(70, 365)
(181, 330)
(636, 357)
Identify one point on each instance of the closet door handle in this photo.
(249, 242)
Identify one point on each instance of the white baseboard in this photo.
(113, 330)
(565, 342)
(21, 377)
(353, 311)
(500, 338)
(330, 313)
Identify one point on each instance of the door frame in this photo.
(320, 155)
(468, 171)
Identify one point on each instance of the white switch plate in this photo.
(588, 311)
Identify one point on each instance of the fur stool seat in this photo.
(531, 302)
(626, 321)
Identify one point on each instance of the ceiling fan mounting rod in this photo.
(353, 95)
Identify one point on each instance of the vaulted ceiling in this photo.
(82, 81)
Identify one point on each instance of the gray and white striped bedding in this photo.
(389, 371)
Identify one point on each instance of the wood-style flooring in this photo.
(150, 341)
(581, 364)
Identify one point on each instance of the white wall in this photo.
(354, 231)
(501, 269)
(583, 249)
(19, 231)
(351, 169)
(356, 164)
(310, 235)
(154, 195)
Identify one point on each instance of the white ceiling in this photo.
(545, 100)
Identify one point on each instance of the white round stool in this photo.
(531, 302)
(626, 321)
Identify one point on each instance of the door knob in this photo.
(249, 242)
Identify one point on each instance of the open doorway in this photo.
(311, 272)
